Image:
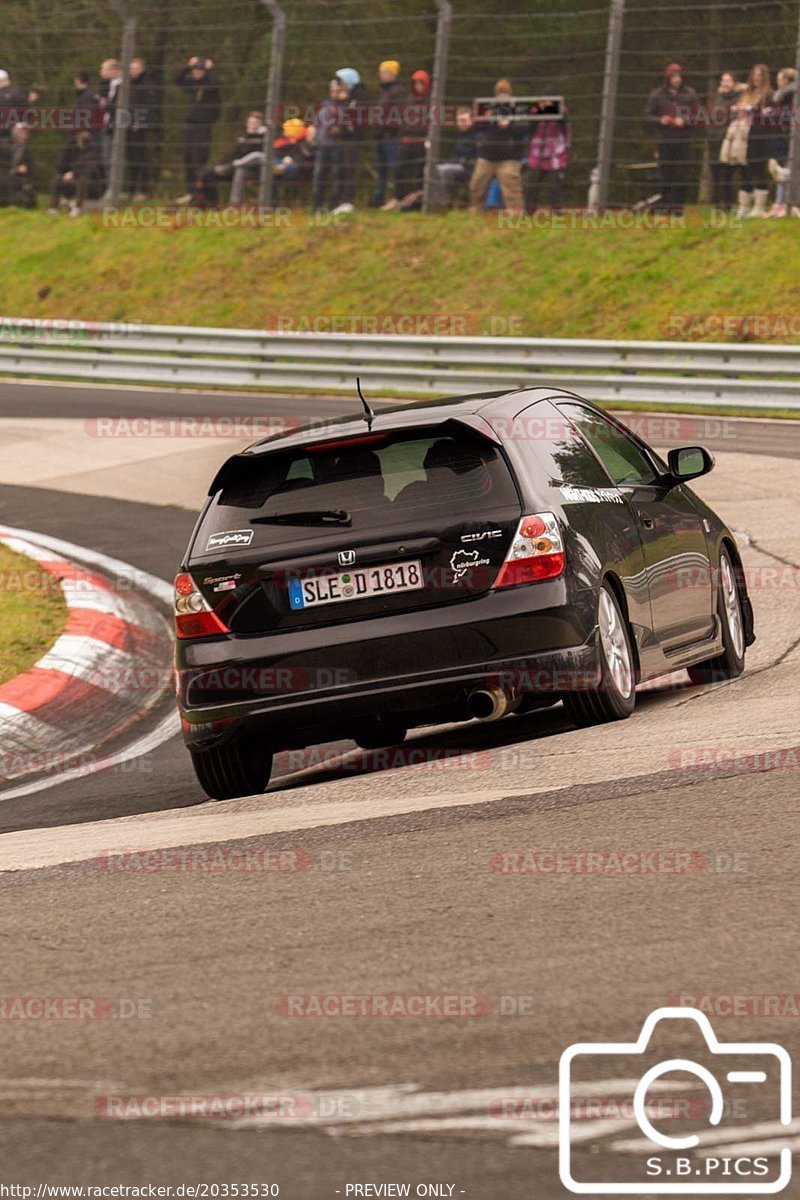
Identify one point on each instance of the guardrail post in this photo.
(116, 180)
(608, 111)
(273, 96)
(434, 139)
(794, 143)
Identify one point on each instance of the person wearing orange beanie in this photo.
(387, 131)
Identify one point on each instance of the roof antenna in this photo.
(369, 415)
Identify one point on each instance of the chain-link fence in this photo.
(583, 79)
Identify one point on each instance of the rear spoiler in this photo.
(470, 422)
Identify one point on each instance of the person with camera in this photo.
(503, 129)
(199, 81)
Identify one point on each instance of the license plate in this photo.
(355, 584)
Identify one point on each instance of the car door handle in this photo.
(648, 522)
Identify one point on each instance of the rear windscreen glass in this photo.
(375, 481)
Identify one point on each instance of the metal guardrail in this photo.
(750, 376)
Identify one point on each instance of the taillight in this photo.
(536, 552)
(194, 617)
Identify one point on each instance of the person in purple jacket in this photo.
(548, 156)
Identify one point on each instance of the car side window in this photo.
(624, 460)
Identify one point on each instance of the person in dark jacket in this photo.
(353, 122)
(86, 103)
(785, 98)
(413, 137)
(672, 114)
(501, 144)
(79, 176)
(11, 98)
(387, 132)
(719, 118)
(200, 82)
(328, 132)
(294, 155)
(459, 167)
(241, 163)
(143, 108)
(16, 170)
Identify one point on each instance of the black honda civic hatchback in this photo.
(444, 562)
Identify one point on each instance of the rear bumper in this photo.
(317, 684)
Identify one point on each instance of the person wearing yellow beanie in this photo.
(294, 129)
(387, 132)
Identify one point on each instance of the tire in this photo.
(379, 735)
(615, 696)
(730, 663)
(239, 767)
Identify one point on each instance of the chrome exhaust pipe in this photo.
(490, 704)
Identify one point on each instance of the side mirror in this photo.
(688, 462)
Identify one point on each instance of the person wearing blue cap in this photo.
(353, 119)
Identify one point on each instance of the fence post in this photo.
(116, 179)
(273, 96)
(608, 112)
(794, 143)
(438, 91)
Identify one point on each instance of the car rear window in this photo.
(377, 480)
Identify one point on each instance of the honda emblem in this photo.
(347, 558)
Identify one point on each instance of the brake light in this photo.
(536, 552)
(194, 617)
(367, 439)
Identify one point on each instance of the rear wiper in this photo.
(320, 516)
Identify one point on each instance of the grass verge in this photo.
(394, 273)
(32, 612)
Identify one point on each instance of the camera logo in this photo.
(758, 1074)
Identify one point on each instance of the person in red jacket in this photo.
(413, 136)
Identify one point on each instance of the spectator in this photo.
(785, 98)
(79, 176)
(500, 147)
(294, 155)
(727, 93)
(387, 134)
(199, 80)
(746, 144)
(241, 164)
(86, 103)
(458, 170)
(328, 131)
(110, 79)
(16, 170)
(672, 111)
(11, 98)
(353, 120)
(143, 105)
(413, 137)
(548, 156)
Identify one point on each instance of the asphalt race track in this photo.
(392, 880)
